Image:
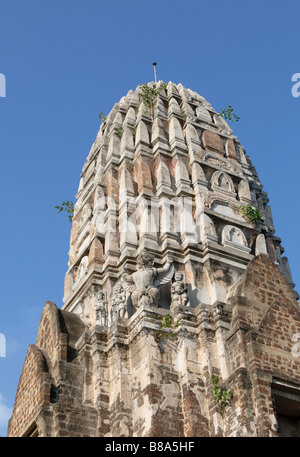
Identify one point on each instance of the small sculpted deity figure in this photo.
(179, 294)
(118, 301)
(101, 308)
(144, 283)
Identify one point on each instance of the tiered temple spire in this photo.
(172, 180)
(172, 284)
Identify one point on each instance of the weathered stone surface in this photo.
(157, 383)
(134, 357)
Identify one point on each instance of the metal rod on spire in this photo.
(154, 65)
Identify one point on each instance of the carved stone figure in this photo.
(101, 308)
(179, 294)
(118, 301)
(220, 310)
(144, 283)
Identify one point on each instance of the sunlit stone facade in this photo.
(168, 283)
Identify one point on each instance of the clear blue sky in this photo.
(67, 61)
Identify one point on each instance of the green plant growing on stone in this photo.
(67, 206)
(183, 113)
(102, 117)
(228, 114)
(251, 214)
(148, 95)
(167, 323)
(119, 131)
(220, 395)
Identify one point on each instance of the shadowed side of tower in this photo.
(169, 282)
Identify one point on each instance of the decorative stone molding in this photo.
(234, 237)
(222, 182)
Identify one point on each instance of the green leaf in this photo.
(67, 206)
(228, 113)
(251, 214)
(220, 395)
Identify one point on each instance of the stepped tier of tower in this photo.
(171, 179)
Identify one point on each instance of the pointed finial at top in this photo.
(154, 65)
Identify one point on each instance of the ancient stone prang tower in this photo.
(176, 287)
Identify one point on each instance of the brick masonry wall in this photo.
(33, 392)
(212, 142)
(265, 317)
(127, 381)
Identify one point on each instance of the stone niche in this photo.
(222, 182)
(235, 238)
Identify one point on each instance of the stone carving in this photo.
(236, 168)
(217, 162)
(210, 200)
(143, 285)
(118, 302)
(101, 308)
(222, 180)
(233, 236)
(179, 294)
(223, 163)
(204, 312)
(220, 310)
